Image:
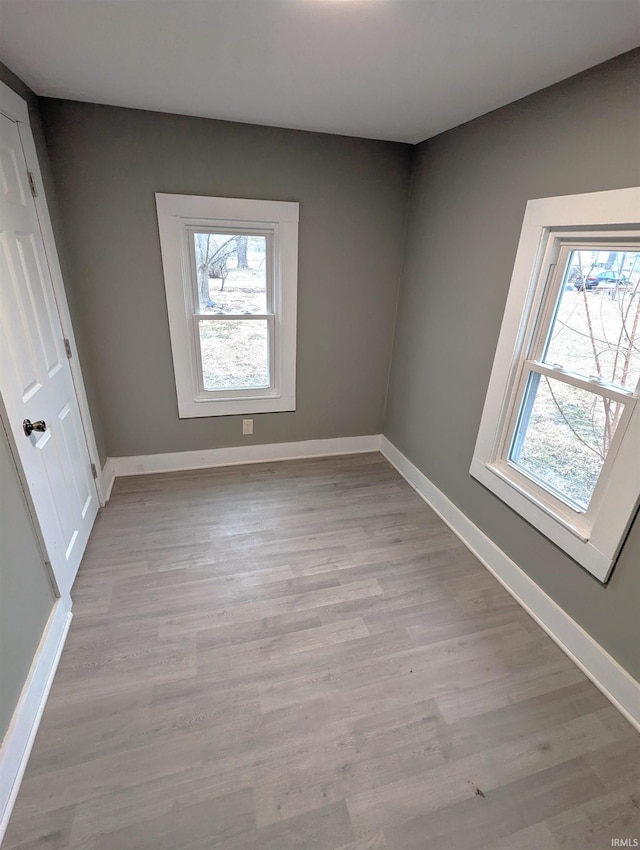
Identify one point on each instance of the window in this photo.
(559, 439)
(230, 269)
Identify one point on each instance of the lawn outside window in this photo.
(230, 270)
(559, 439)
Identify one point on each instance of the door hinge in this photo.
(94, 471)
(32, 184)
(67, 348)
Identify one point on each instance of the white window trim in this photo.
(178, 215)
(593, 543)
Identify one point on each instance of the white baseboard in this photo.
(105, 481)
(603, 670)
(179, 461)
(17, 743)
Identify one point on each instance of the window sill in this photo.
(571, 539)
(232, 407)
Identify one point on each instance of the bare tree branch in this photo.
(576, 434)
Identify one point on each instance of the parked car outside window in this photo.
(601, 278)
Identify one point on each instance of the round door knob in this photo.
(30, 426)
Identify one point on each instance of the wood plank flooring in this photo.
(301, 656)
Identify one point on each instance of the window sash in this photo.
(224, 228)
(552, 501)
(591, 385)
(560, 251)
(538, 325)
(270, 236)
(539, 319)
(238, 392)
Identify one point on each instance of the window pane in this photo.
(232, 272)
(563, 436)
(596, 328)
(235, 354)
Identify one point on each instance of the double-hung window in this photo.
(230, 269)
(559, 439)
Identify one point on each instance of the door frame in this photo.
(14, 107)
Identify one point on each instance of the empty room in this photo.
(320, 406)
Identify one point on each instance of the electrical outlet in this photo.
(247, 426)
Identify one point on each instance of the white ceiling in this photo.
(384, 69)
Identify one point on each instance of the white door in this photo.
(35, 377)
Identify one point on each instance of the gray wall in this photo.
(26, 596)
(107, 164)
(468, 194)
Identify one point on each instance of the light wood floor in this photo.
(301, 656)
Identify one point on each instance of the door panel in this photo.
(12, 185)
(36, 380)
(78, 481)
(18, 353)
(39, 305)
